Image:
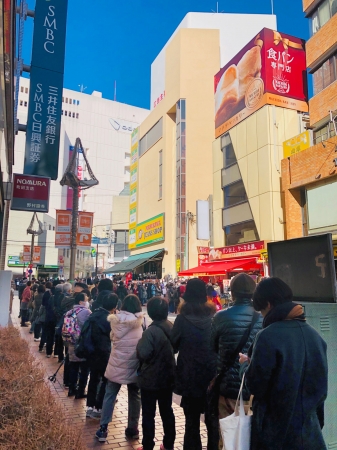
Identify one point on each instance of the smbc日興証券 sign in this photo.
(150, 231)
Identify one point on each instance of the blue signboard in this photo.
(46, 86)
(101, 241)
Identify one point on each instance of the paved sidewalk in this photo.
(75, 409)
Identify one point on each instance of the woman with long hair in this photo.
(126, 330)
(196, 364)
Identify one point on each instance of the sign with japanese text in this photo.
(63, 229)
(202, 259)
(26, 253)
(150, 231)
(297, 144)
(270, 69)
(203, 250)
(46, 85)
(84, 231)
(133, 188)
(30, 193)
(237, 251)
(37, 255)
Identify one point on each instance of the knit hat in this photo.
(242, 285)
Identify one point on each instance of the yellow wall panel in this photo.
(251, 134)
(254, 203)
(266, 217)
(218, 233)
(241, 140)
(253, 175)
(264, 175)
(262, 122)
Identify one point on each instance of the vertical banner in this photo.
(84, 232)
(133, 188)
(63, 229)
(46, 85)
(37, 255)
(26, 253)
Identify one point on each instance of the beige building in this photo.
(247, 201)
(175, 167)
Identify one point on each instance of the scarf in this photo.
(285, 311)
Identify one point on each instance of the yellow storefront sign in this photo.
(297, 144)
(150, 231)
(178, 265)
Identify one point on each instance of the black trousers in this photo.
(96, 387)
(193, 408)
(149, 400)
(50, 336)
(66, 369)
(78, 375)
(59, 347)
(24, 316)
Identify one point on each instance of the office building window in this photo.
(73, 115)
(62, 112)
(77, 116)
(22, 89)
(66, 99)
(241, 232)
(21, 103)
(227, 149)
(325, 74)
(26, 104)
(64, 252)
(26, 90)
(320, 16)
(68, 253)
(234, 193)
(160, 196)
(62, 99)
(65, 113)
(70, 101)
(324, 133)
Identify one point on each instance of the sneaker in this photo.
(66, 386)
(71, 392)
(89, 412)
(131, 433)
(80, 394)
(96, 413)
(102, 434)
(56, 356)
(40, 350)
(48, 356)
(37, 339)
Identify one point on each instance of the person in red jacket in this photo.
(26, 295)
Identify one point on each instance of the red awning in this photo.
(220, 268)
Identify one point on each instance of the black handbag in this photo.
(213, 391)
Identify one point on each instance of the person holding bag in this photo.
(233, 331)
(287, 373)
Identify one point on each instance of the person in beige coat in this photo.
(126, 330)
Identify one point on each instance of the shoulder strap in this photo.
(241, 344)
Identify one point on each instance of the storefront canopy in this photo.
(134, 261)
(220, 268)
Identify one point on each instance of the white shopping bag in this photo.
(235, 429)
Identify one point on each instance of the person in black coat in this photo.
(228, 328)
(156, 376)
(100, 337)
(105, 287)
(287, 374)
(122, 292)
(196, 364)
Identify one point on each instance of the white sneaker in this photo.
(37, 339)
(89, 412)
(96, 413)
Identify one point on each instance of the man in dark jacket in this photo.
(100, 337)
(122, 292)
(105, 286)
(228, 328)
(287, 374)
(156, 377)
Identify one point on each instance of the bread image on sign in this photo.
(231, 90)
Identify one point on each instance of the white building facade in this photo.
(104, 127)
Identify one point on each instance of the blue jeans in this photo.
(111, 392)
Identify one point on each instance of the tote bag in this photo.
(235, 429)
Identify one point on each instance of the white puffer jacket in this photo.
(126, 330)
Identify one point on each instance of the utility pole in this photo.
(96, 270)
(71, 179)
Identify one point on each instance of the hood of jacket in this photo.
(201, 322)
(123, 321)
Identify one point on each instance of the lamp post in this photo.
(71, 179)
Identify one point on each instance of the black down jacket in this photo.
(228, 327)
(100, 336)
(196, 364)
(288, 376)
(156, 356)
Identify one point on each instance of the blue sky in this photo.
(111, 40)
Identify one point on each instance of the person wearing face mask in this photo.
(78, 368)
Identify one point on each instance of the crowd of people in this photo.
(102, 334)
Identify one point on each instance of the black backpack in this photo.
(85, 347)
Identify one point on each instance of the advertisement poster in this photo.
(297, 144)
(237, 251)
(84, 231)
(270, 69)
(150, 231)
(133, 188)
(63, 229)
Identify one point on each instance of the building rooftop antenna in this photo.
(217, 9)
(82, 87)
